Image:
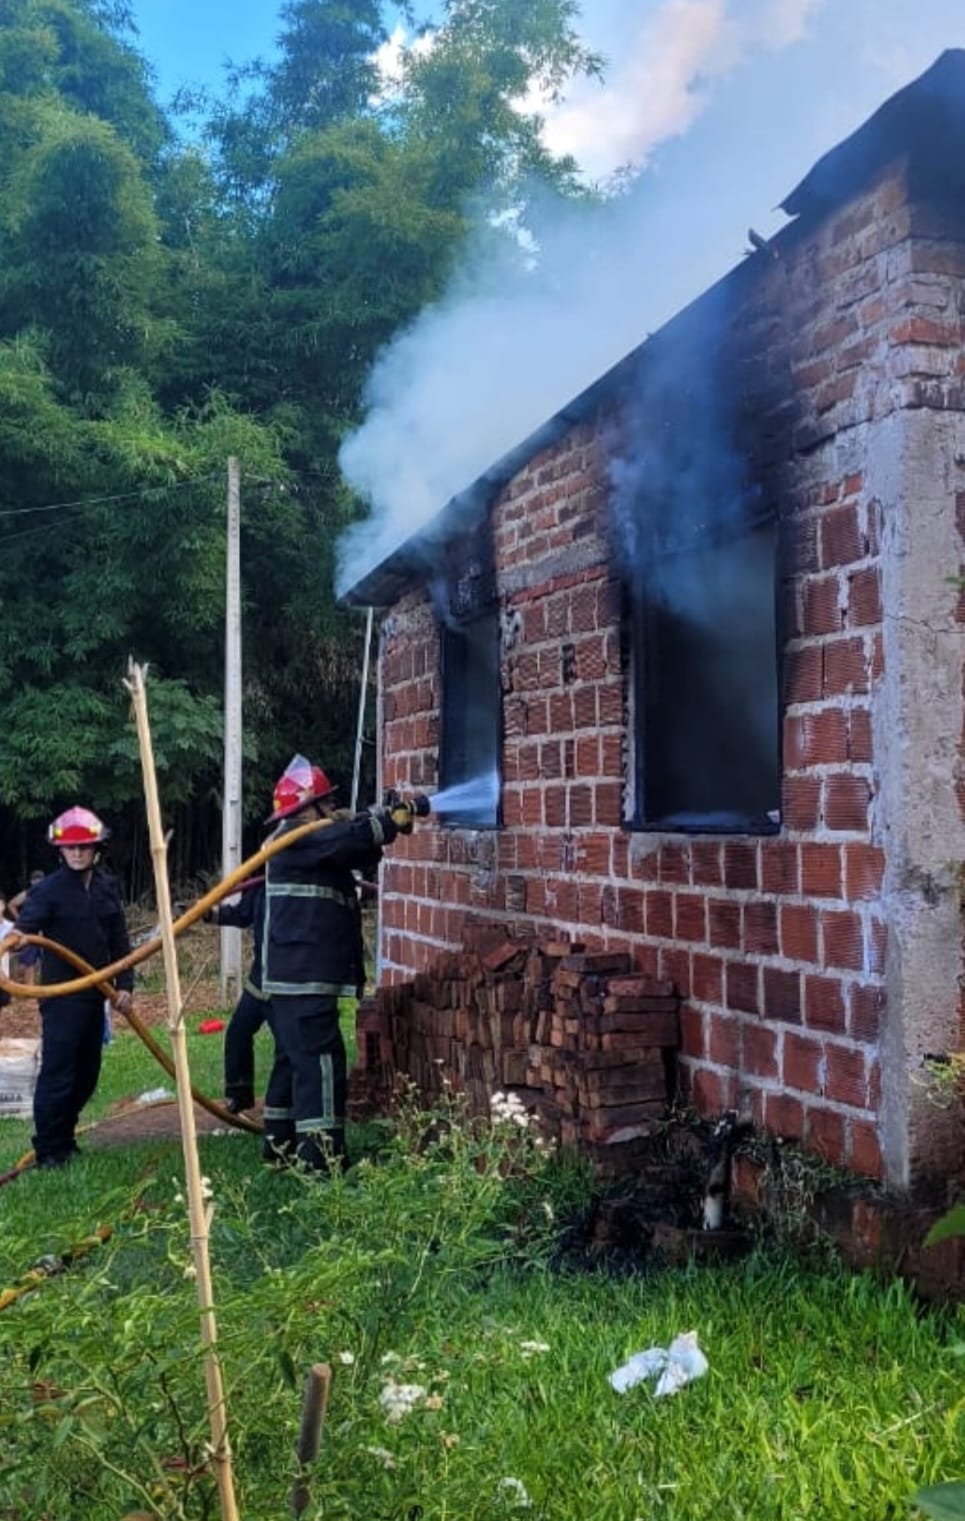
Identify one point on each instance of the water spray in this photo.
(478, 797)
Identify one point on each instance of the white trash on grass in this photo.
(154, 1096)
(398, 1399)
(513, 1492)
(672, 1366)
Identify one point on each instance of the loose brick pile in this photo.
(588, 1045)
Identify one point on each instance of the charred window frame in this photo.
(470, 740)
(704, 660)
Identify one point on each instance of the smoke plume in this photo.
(706, 95)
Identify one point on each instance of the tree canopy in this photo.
(169, 297)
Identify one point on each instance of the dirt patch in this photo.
(158, 1122)
(21, 1018)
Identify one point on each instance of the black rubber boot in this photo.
(323, 1152)
(278, 1146)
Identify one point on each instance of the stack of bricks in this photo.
(588, 1045)
(601, 1052)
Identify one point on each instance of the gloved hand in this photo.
(210, 916)
(386, 823)
(403, 816)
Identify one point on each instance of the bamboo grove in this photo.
(185, 280)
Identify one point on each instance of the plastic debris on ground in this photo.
(153, 1096)
(513, 1492)
(672, 1367)
(398, 1399)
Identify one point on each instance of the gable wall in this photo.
(779, 946)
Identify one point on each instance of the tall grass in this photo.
(429, 1267)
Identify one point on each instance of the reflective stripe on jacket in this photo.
(313, 933)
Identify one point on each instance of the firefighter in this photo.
(79, 906)
(244, 910)
(313, 956)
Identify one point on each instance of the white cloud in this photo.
(779, 23)
(390, 58)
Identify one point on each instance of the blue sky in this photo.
(188, 41)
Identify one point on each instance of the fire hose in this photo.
(403, 810)
(52, 1265)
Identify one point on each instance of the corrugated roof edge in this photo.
(922, 114)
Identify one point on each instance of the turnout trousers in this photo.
(70, 1064)
(307, 1090)
(239, 1048)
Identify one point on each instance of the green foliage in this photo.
(166, 303)
(461, 97)
(951, 1224)
(429, 1264)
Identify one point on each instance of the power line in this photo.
(120, 496)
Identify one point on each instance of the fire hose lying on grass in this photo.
(52, 1265)
(404, 811)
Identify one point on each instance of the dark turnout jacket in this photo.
(313, 932)
(249, 913)
(88, 920)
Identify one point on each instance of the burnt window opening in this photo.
(704, 662)
(471, 719)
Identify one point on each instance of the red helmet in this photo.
(78, 826)
(301, 783)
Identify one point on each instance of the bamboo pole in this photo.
(363, 696)
(197, 1213)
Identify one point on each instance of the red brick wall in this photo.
(776, 945)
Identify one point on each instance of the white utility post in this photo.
(363, 697)
(231, 807)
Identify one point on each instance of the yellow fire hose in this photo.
(101, 978)
(50, 1267)
(151, 947)
(403, 812)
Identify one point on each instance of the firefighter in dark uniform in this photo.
(246, 910)
(312, 956)
(79, 906)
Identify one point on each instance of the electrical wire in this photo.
(118, 496)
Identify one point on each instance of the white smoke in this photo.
(658, 72)
(479, 371)
(661, 66)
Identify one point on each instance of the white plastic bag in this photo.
(672, 1366)
(19, 1066)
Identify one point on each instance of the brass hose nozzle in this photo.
(405, 808)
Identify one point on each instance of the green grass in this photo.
(829, 1395)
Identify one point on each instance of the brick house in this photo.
(688, 665)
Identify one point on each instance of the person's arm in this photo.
(118, 945)
(353, 842)
(33, 915)
(237, 911)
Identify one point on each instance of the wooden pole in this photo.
(198, 1214)
(314, 1406)
(231, 804)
